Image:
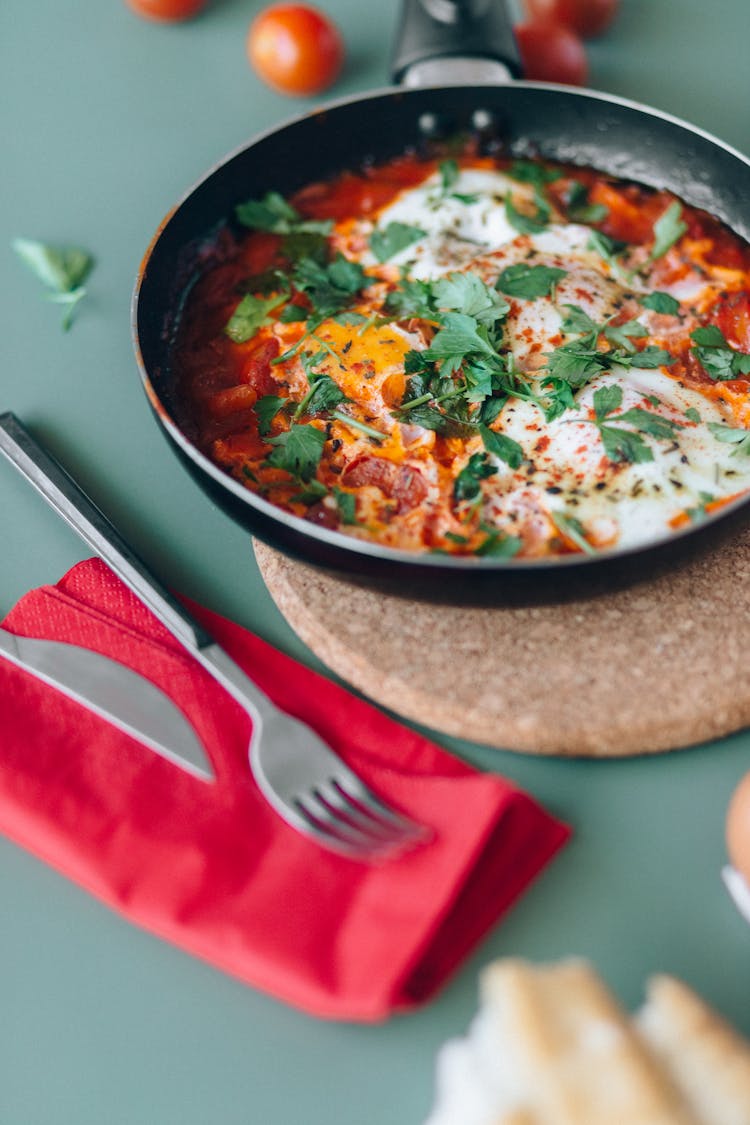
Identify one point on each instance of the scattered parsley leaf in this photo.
(346, 502)
(573, 530)
(273, 213)
(692, 414)
(527, 223)
(266, 409)
(668, 229)
(607, 399)
(457, 338)
(621, 334)
(661, 303)
(411, 298)
(330, 288)
(63, 270)
(720, 361)
(652, 424)
(386, 242)
(298, 451)
(622, 445)
(578, 208)
(502, 446)
(467, 485)
(467, 293)
(738, 437)
(530, 172)
(498, 544)
(250, 314)
(530, 282)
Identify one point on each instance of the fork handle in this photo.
(70, 501)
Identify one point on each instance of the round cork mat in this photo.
(640, 670)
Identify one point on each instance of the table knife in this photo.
(114, 692)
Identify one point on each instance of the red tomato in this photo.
(295, 49)
(585, 17)
(551, 53)
(167, 11)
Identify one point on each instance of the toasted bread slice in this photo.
(573, 1053)
(708, 1060)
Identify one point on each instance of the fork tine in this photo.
(341, 802)
(355, 790)
(326, 822)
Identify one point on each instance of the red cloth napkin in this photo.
(210, 866)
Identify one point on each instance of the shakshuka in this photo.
(476, 357)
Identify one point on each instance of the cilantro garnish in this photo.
(626, 445)
(668, 229)
(386, 242)
(528, 223)
(298, 451)
(467, 485)
(530, 172)
(530, 282)
(329, 288)
(737, 437)
(250, 314)
(579, 360)
(272, 213)
(346, 502)
(63, 270)
(498, 544)
(449, 174)
(578, 208)
(661, 303)
(502, 446)
(572, 528)
(720, 361)
(467, 293)
(266, 409)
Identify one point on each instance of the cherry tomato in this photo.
(167, 11)
(295, 49)
(551, 53)
(586, 17)
(738, 828)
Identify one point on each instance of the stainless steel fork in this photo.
(300, 776)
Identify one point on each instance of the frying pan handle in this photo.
(463, 41)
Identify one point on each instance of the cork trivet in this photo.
(645, 669)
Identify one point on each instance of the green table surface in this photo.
(106, 120)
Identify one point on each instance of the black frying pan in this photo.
(471, 42)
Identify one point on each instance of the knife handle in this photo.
(70, 501)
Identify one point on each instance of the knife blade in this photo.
(114, 692)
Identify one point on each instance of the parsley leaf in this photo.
(330, 288)
(732, 436)
(298, 451)
(661, 303)
(411, 298)
(530, 282)
(460, 335)
(502, 446)
(716, 356)
(578, 208)
(668, 229)
(386, 242)
(498, 544)
(623, 445)
(63, 270)
(467, 293)
(621, 334)
(346, 502)
(250, 314)
(573, 530)
(266, 409)
(531, 172)
(527, 223)
(467, 485)
(273, 213)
